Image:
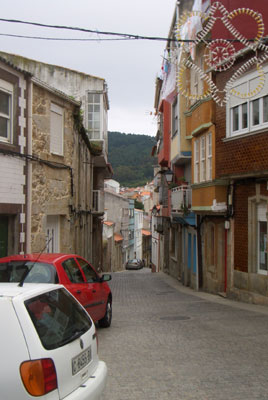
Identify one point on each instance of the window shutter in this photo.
(56, 129)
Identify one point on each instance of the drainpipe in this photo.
(230, 214)
(225, 258)
(199, 253)
(29, 168)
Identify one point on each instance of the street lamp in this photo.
(168, 175)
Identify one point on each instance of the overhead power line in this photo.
(73, 28)
(63, 39)
(120, 36)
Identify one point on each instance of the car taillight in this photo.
(39, 376)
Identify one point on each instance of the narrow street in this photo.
(168, 342)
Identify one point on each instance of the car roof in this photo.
(28, 289)
(44, 257)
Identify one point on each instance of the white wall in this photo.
(138, 219)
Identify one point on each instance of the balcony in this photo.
(158, 227)
(181, 200)
(97, 202)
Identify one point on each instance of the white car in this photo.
(48, 345)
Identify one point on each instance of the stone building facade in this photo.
(60, 204)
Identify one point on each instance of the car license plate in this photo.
(81, 360)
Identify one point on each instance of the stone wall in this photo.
(60, 184)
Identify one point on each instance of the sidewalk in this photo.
(212, 297)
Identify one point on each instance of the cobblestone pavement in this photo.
(167, 342)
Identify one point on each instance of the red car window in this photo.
(72, 270)
(90, 274)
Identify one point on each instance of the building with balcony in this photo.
(175, 220)
(218, 197)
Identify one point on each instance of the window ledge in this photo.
(244, 135)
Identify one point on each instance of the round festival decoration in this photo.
(220, 54)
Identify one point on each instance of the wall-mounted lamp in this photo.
(168, 175)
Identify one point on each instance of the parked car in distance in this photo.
(72, 271)
(48, 345)
(134, 264)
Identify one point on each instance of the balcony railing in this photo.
(97, 201)
(181, 199)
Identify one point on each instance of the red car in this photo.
(72, 271)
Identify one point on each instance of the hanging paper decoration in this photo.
(219, 54)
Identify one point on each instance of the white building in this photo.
(138, 225)
(113, 185)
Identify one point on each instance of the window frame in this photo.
(90, 274)
(196, 82)
(203, 156)
(209, 157)
(93, 112)
(8, 88)
(56, 137)
(235, 102)
(196, 161)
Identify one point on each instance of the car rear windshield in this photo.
(37, 272)
(58, 318)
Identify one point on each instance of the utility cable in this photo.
(64, 39)
(123, 36)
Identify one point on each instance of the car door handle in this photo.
(78, 291)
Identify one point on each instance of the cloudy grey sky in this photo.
(129, 67)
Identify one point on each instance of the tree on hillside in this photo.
(130, 157)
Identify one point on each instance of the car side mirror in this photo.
(106, 277)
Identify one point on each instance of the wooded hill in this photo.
(131, 159)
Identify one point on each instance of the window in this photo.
(6, 95)
(248, 115)
(94, 115)
(56, 129)
(203, 158)
(196, 83)
(239, 118)
(72, 271)
(174, 118)
(58, 318)
(29, 271)
(53, 228)
(259, 111)
(209, 157)
(89, 272)
(196, 161)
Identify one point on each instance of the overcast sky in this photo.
(129, 67)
